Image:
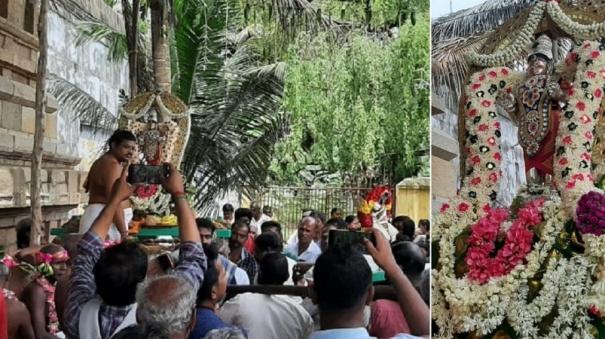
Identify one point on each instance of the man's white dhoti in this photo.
(93, 211)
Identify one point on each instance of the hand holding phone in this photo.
(354, 239)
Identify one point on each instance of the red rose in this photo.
(570, 184)
(578, 176)
(483, 127)
(491, 141)
(481, 77)
(595, 54)
(497, 124)
(585, 119)
(591, 74)
(444, 208)
(472, 112)
(504, 71)
(486, 103)
(586, 45)
(598, 93)
(476, 181)
(581, 105)
(492, 74)
(475, 160)
(497, 156)
(586, 156)
(493, 177)
(567, 140)
(486, 208)
(563, 161)
(475, 86)
(588, 135)
(463, 207)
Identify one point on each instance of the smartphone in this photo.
(348, 238)
(165, 262)
(147, 174)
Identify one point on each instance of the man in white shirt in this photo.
(269, 316)
(343, 286)
(258, 218)
(305, 249)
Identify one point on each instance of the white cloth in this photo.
(256, 224)
(268, 316)
(308, 256)
(91, 214)
(88, 326)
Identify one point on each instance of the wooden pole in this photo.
(36, 168)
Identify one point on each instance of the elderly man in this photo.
(114, 273)
(305, 249)
(258, 218)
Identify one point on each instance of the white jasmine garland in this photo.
(577, 30)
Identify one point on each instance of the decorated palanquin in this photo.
(535, 268)
(161, 124)
(375, 210)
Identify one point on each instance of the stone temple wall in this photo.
(87, 68)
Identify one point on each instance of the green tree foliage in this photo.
(358, 106)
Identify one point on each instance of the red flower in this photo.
(563, 161)
(475, 86)
(493, 177)
(444, 207)
(472, 112)
(481, 77)
(598, 93)
(463, 207)
(588, 135)
(486, 103)
(578, 176)
(595, 54)
(504, 71)
(491, 141)
(567, 140)
(476, 181)
(581, 105)
(586, 156)
(476, 159)
(591, 74)
(585, 119)
(497, 124)
(486, 208)
(483, 127)
(571, 58)
(570, 184)
(492, 74)
(586, 45)
(497, 156)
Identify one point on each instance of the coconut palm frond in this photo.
(79, 104)
(235, 124)
(477, 20)
(91, 31)
(450, 66)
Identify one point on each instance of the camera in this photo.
(147, 174)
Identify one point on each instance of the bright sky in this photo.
(442, 7)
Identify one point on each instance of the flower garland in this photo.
(573, 145)
(577, 30)
(481, 308)
(523, 39)
(519, 237)
(483, 137)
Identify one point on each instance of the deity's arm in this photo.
(508, 102)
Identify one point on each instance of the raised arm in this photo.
(82, 287)
(413, 307)
(192, 261)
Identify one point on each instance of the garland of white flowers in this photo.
(577, 143)
(158, 203)
(526, 316)
(577, 30)
(523, 39)
(483, 307)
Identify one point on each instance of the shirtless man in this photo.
(103, 173)
(19, 323)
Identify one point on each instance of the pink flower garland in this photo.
(481, 265)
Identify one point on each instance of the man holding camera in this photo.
(103, 173)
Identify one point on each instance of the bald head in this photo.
(165, 306)
(307, 230)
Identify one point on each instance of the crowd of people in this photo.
(89, 287)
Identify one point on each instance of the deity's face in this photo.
(537, 65)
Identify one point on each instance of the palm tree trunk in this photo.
(159, 45)
(131, 18)
(36, 203)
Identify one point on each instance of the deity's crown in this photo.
(542, 46)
